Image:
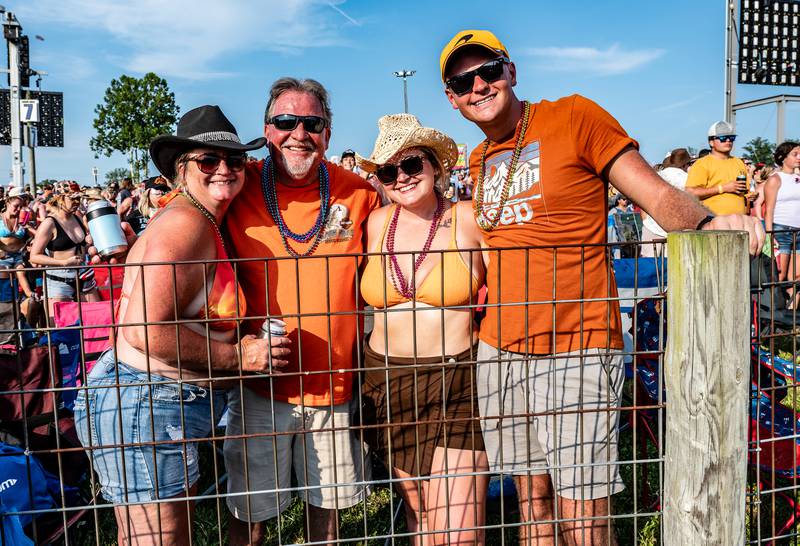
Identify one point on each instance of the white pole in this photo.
(16, 133)
(731, 63)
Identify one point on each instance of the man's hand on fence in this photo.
(740, 222)
(255, 353)
(95, 258)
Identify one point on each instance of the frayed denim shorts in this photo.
(788, 241)
(61, 283)
(143, 437)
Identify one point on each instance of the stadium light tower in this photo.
(405, 74)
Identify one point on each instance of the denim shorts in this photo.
(11, 260)
(61, 282)
(150, 454)
(788, 241)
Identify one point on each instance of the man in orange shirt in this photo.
(551, 338)
(295, 204)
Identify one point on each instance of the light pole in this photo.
(94, 173)
(405, 74)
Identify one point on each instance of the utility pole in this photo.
(405, 74)
(12, 32)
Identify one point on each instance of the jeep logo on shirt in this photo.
(526, 177)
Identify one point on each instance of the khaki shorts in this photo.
(327, 463)
(554, 415)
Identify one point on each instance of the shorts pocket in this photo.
(173, 393)
(83, 410)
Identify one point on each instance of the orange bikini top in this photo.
(225, 296)
(460, 287)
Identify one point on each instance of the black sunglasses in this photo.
(209, 163)
(287, 122)
(726, 138)
(491, 71)
(411, 165)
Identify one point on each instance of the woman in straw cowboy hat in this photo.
(153, 393)
(420, 357)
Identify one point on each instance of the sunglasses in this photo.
(411, 165)
(287, 122)
(726, 138)
(489, 72)
(208, 163)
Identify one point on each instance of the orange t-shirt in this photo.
(557, 198)
(320, 285)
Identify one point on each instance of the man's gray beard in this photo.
(300, 169)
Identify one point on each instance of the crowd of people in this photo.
(444, 400)
(49, 230)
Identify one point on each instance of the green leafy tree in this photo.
(116, 175)
(759, 150)
(133, 112)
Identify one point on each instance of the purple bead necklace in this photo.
(405, 287)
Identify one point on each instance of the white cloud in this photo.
(589, 60)
(681, 103)
(193, 38)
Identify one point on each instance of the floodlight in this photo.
(768, 42)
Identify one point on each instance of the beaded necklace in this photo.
(477, 203)
(271, 199)
(401, 285)
(210, 217)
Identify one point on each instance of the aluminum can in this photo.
(272, 327)
(105, 229)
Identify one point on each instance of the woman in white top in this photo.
(782, 197)
(675, 171)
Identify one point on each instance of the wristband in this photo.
(703, 222)
(719, 189)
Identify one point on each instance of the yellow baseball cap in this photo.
(482, 38)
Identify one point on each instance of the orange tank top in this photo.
(225, 300)
(460, 285)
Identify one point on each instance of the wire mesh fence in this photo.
(412, 420)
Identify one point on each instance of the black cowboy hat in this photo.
(202, 127)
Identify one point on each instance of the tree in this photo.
(134, 111)
(116, 175)
(759, 150)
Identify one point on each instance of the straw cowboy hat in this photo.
(398, 132)
(202, 127)
(93, 194)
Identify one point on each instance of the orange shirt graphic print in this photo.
(525, 185)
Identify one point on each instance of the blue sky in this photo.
(657, 67)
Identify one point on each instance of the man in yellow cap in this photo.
(541, 179)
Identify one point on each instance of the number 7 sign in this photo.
(29, 111)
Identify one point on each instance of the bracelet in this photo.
(719, 189)
(703, 222)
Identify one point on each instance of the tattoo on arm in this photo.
(446, 223)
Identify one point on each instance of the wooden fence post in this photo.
(707, 380)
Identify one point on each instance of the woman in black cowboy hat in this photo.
(170, 391)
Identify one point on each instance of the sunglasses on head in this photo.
(388, 172)
(726, 138)
(287, 122)
(489, 72)
(209, 163)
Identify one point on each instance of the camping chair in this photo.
(32, 418)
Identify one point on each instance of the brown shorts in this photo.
(415, 418)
